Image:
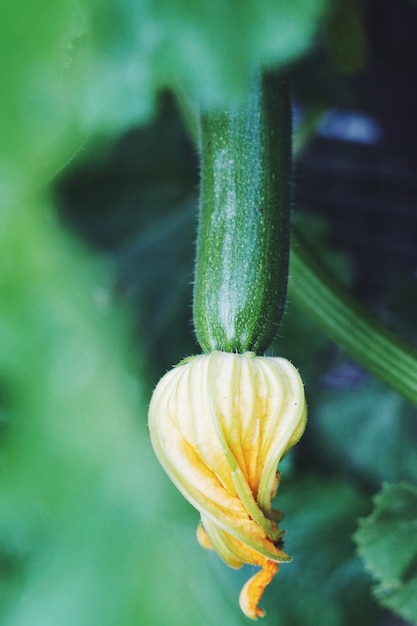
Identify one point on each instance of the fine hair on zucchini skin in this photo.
(244, 223)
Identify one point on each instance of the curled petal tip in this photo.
(254, 588)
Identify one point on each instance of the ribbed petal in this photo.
(220, 423)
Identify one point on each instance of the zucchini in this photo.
(244, 224)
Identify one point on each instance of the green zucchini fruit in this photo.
(244, 224)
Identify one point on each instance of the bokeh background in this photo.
(99, 201)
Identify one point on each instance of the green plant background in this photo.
(97, 237)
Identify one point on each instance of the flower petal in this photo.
(253, 589)
(219, 424)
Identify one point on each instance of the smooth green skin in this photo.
(244, 228)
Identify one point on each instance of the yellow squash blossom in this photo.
(220, 423)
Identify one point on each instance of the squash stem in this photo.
(349, 324)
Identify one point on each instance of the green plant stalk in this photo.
(244, 226)
(349, 324)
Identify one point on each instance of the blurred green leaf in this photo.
(204, 49)
(355, 417)
(73, 436)
(39, 90)
(91, 532)
(325, 577)
(81, 69)
(211, 46)
(387, 542)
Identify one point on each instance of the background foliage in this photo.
(98, 194)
